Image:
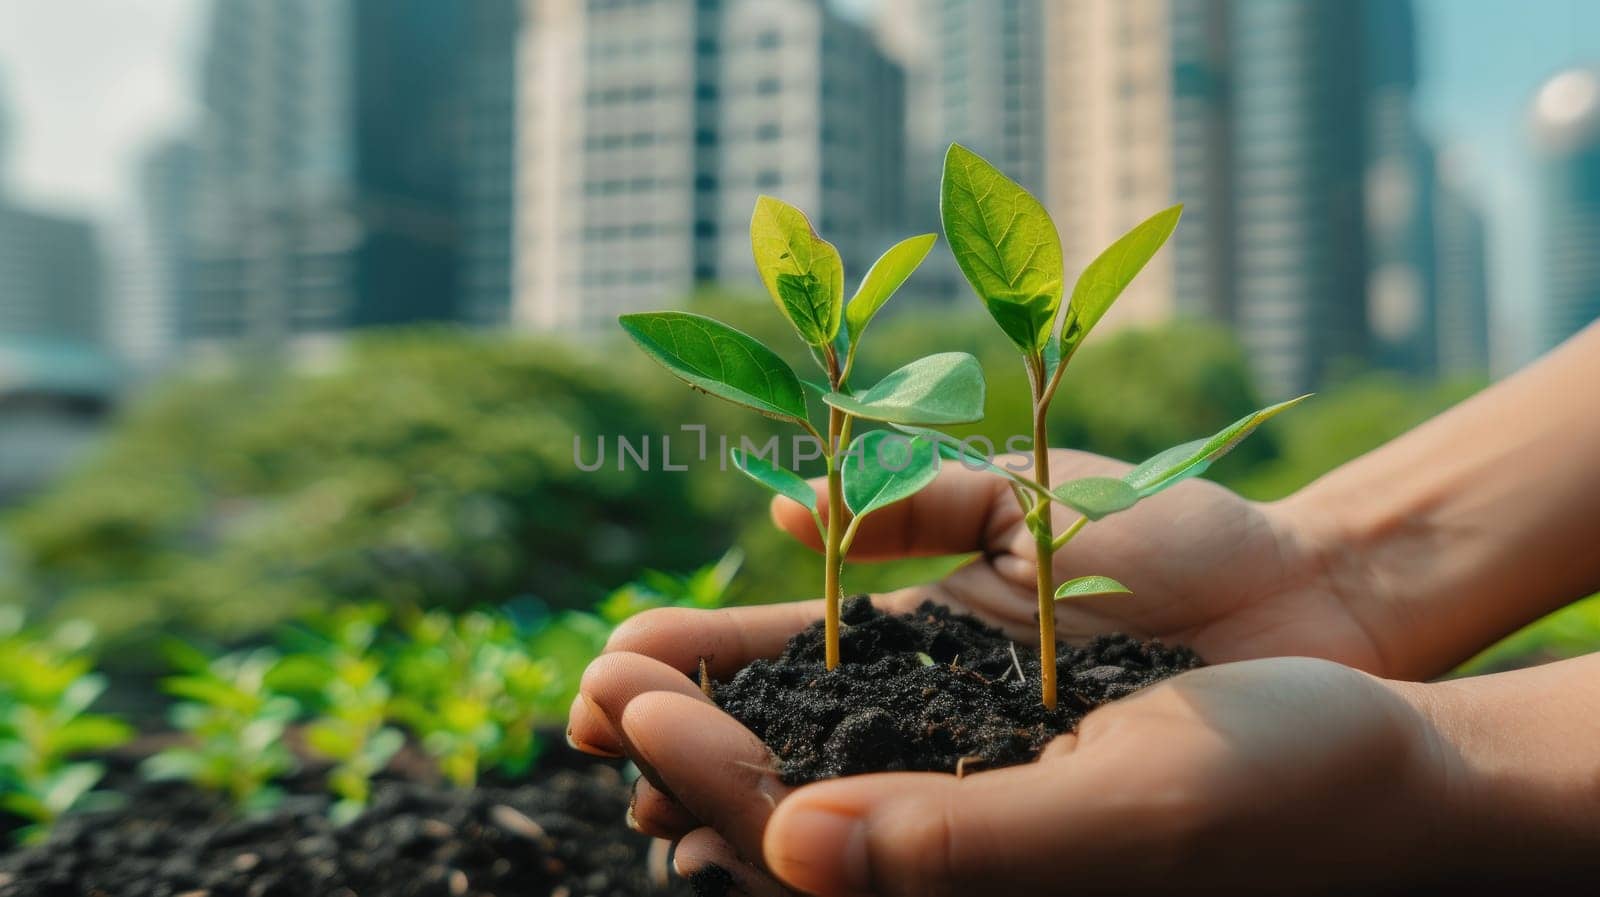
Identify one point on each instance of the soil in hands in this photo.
(929, 690)
(560, 835)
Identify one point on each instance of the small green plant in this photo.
(236, 723)
(474, 692)
(805, 277)
(46, 689)
(1009, 250)
(339, 670)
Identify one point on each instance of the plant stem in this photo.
(832, 559)
(1064, 538)
(1044, 542)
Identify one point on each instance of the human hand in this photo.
(1262, 777)
(1231, 578)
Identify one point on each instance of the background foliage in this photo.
(434, 468)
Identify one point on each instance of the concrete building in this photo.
(809, 113)
(1299, 168)
(1203, 247)
(331, 147)
(488, 181)
(616, 159)
(155, 281)
(1461, 277)
(972, 74)
(1109, 146)
(51, 278)
(1566, 137)
(646, 131)
(1402, 290)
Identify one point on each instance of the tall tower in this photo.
(331, 150)
(810, 113)
(1462, 276)
(1109, 136)
(1299, 153)
(617, 151)
(1400, 185)
(1566, 136)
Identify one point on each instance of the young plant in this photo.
(1009, 250)
(805, 277)
(341, 673)
(474, 692)
(46, 689)
(235, 721)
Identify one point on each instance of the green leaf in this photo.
(883, 278)
(1006, 245)
(781, 480)
(946, 388)
(883, 467)
(1085, 586)
(90, 733)
(1110, 273)
(69, 784)
(1096, 497)
(1192, 458)
(717, 359)
(802, 271)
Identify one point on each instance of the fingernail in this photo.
(822, 849)
(633, 801)
(593, 710)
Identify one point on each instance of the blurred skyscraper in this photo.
(1566, 133)
(155, 289)
(488, 177)
(1402, 286)
(1109, 149)
(332, 157)
(1462, 277)
(645, 133)
(811, 112)
(974, 75)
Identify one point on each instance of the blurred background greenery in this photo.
(426, 468)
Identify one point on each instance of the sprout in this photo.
(341, 674)
(805, 277)
(46, 689)
(1008, 248)
(235, 721)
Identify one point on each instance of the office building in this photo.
(645, 133)
(1109, 147)
(1461, 277)
(809, 106)
(1566, 137)
(330, 150)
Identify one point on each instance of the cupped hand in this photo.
(1231, 578)
(1273, 776)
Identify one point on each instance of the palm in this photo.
(1232, 578)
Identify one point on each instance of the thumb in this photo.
(953, 515)
(926, 834)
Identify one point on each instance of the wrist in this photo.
(1511, 767)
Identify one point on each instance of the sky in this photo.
(91, 84)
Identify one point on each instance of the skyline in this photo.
(85, 106)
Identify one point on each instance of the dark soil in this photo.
(887, 709)
(560, 835)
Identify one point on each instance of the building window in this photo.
(768, 131)
(768, 86)
(768, 40)
(767, 179)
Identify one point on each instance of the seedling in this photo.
(235, 721)
(805, 277)
(46, 689)
(342, 674)
(1009, 250)
(473, 691)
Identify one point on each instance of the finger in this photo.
(653, 812)
(709, 862)
(954, 515)
(727, 639)
(582, 718)
(926, 834)
(609, 683)
(716, 767)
